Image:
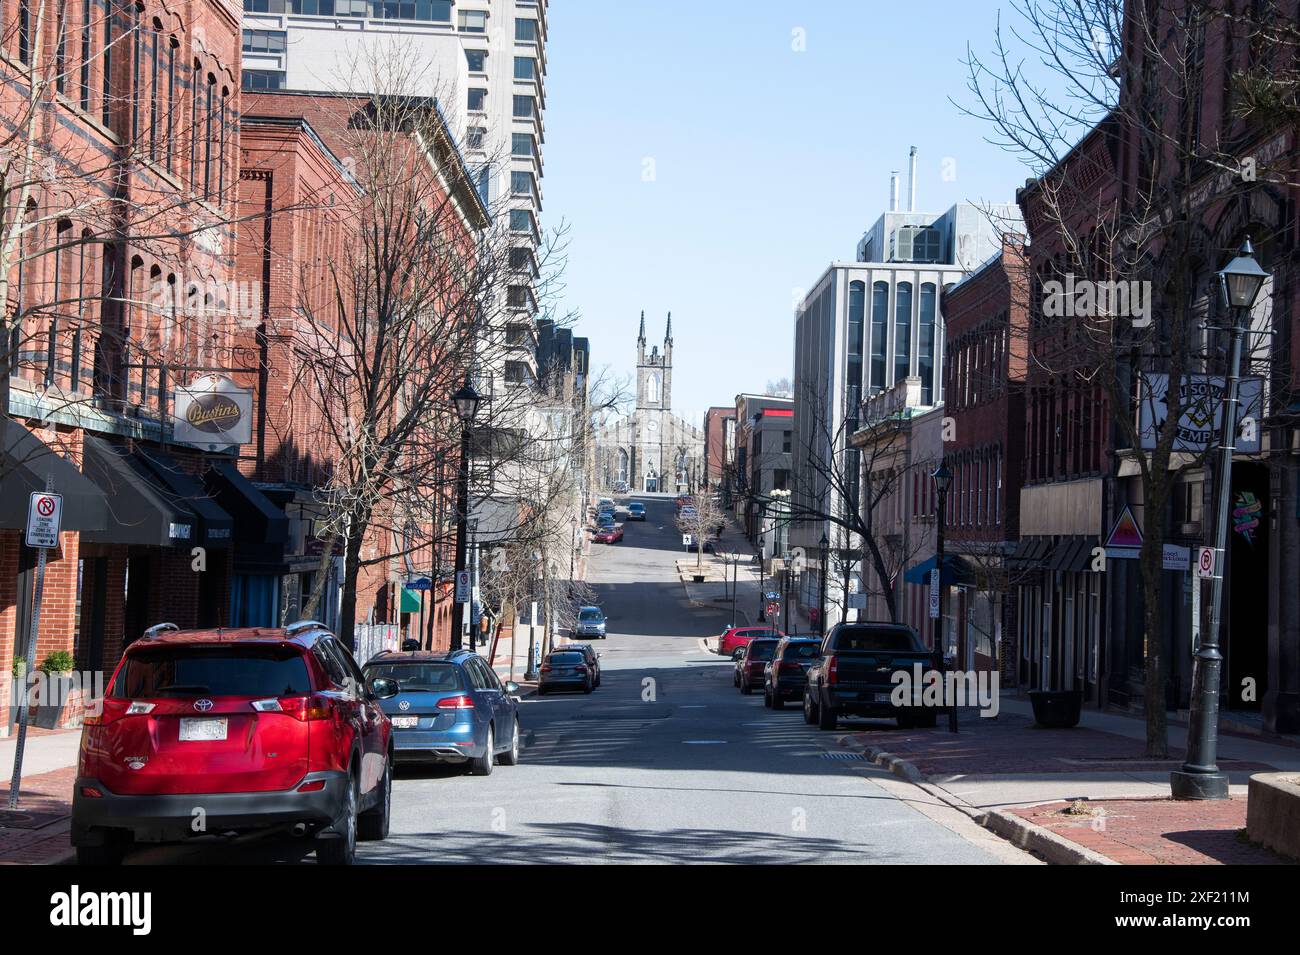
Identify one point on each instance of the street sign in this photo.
(423, 583)
(934, 594)
(687, 540)
(44, 519)
(462, 586)
(1205, 562)
(857, 601)
(1175, 557)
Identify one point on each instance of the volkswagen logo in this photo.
(203, 705)
(404, 705)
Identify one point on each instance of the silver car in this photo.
(591, 623)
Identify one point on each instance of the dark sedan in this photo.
(593, 658)
(565, 670)
(786, 673)
(750, 664)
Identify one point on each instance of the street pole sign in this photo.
(462, 586)
(934, 594)
(44, 519)
(1205, 563)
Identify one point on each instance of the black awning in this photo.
(25, 462)
(141, 510)
(1081, 559)
(257, 519)
(215, 525)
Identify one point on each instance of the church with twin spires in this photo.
(651, 449)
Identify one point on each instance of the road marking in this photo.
(704, 742)
(692, 706)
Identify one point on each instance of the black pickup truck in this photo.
(854, 675)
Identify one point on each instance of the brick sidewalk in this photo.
(38, 833)
(1156, 831)
(1113, 791)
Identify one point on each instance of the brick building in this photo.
(987, 327)
(113, 308)
(720, 450)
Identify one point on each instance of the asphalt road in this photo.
(665, 763)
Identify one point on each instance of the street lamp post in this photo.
(1200, 777)
(735, 582)
(821, 599)
(942, 481)
(762, 586)
(466, 401)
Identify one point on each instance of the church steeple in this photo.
(640, 341)
(641, 334)
(668, 334)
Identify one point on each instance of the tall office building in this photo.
(485, 63)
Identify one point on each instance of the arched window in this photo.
(622, 471)
(902, 331)
(879, 331)
(925, 344)
(652, 389)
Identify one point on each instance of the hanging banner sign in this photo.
(1202, 412)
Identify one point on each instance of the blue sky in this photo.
(768, 163)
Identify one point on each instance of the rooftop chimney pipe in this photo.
(893, 190)
(911, 180)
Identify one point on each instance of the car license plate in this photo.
(882, 697)
(199, 730)
(406, 722)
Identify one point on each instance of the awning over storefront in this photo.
(410, 602)
(25, 461)
(258, 520)
(141, 510)
(955, 571)
(1031, 553)
(1072, 555)
(215, 525)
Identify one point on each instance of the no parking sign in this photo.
(44, 519)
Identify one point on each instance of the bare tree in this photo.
(1103, 101)
(702, 519)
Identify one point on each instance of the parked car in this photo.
(682, 500)
(608, 534)
(450, 707)
(264, 728)
(605, 503)
(853, 675)
(749, 664)
(591, 622)
(565, 670)
(636, 511)
(734, 639)
(786, 672)
(593, 658)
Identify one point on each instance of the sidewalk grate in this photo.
(843, 756)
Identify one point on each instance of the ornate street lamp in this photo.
(466, 402)
(942, 478)
(1200, 778)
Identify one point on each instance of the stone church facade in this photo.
(651, 449)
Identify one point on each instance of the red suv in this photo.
(217, 731)
(734, 639)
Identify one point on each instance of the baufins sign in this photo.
(213, 413)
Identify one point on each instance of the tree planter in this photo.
(698, 578)
(1273, 812)
(49, 716)
(1056, 709)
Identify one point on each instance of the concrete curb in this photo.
(1026, 835)
(1020, 832)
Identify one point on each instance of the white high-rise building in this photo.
(485, 63)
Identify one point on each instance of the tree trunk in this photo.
(318, 587)
(1152, 566)
(348, 602)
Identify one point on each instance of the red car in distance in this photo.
(217, 731)
(735, 639)
(609, 535)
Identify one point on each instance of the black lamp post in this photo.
(942, 482)
(1200, 777)
(821, 605)
(762, 587)
(466, 401)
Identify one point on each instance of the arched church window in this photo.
(652, 389)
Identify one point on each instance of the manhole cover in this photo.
(17, 819)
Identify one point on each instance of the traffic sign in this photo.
(462, 586)
(1205, 562)
(44, 519)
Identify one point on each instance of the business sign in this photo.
(1199, 424)
(44, 519)
(422, 583)
(934, 594)
(857, 601)
(213, 413)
